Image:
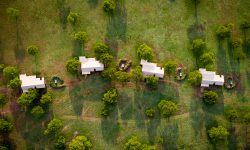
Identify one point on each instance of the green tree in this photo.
(121, 76)
(224, 31)
(145, 52)
(73, 18)
(26, 99)
(3, 100)
(217, 134)
(246, 119)
(72, 66)
(170, 67)
(106, 59)
(60, 142)
(150, 112)
(109, 73)
(53, 126)
(195, 77)
(133, 144)
(81, 37)
(33, 50)
(152, 82)
(231, 114)
(245, 25)
(167, 108)
(198, 46)
(1, 67)
(80, 143)
(12, 13)
(109, 6)
(37, 112)
(136, 74)
(210, 97)
(10, 73)
(207, 59)
(47, 98)
(110, 97)
(15, 83)
(5, 126)
(100, 49)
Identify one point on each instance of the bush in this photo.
(5, 126)
(152, 82)
(15, 83)
(109, 6)
(121, 76)
(72, 66)
(53, 126)
(73, 18)
(33, 50)
(210, 97)
(26, 99)
(145, 52)
(136, 74)
(224, 31)
(60, 142)
(150, 112)
(10, 73)
(106, 59)
(207, 59)
(231, 114)
(100, 49)
(170, 67)
(110, 97)
(47, 98)
(105, 111)
(81, 37)
(134, 144)
(167, 108)
(195, 77)
(217, 134)
(80, 143)
(37, 112)
(246, 118)
(198, 46)
(109, 73)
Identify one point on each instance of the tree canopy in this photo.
(145, 52)
(10, 73)
(246, 118)
(100, 49)
(136, 74)
(152, 82)
(207, 59)
(109, 73)
(37, 112)
(81, 37)
(33, 50)
(73, 17)
(1, 67)
(195, 77)
(12, 13)
(167, 108)
(47, 98)
(60, 142)
(53, 126)
(170, 67)
(150, 112)
(198, 46)
(27, 98)
(3, 100)
(80, 143)
(224, 31)
(231, 114)
(5, 126)
(121, 76)
(210, 97)
(109, 6)
(110, 97)
(106, 59)
(217, 134)
(15, 83)
(134, 144)
(72, 66)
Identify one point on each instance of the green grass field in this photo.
(167, 26)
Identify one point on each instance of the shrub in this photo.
(10, 73)
(207, 59)
(100, 49)
(81, 37)
(47, 98)
(5, 126)
(3, 100)
(217, 134)
(224, 31)
(110, 97)
(246, 118)
(167, 108)
(150, 112)
(73, 18)
(37, 112)
(121, 76)
(109, 6)
(15, 83)
(198, 46)
(231, 114)
(106, 59)
(33, 50)
(53, 126)
(145, 52)
(195, 77)
(72, 66)
(152, 82)
(105, 111)
(60, 142)
(109, 73)
(210, 97)
(1, 67)
(136, 74)
(80, 143)
(12, 13)
(170, 67)
(26, 99)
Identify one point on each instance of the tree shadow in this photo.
(63, 12)
(152, 128)
(170, 135)
(125, 105)
(222, 63)
(117, 26)
(110, 126)
(196, 31)
(77, 49)
(19, 48)
(93, 3)
(192, 5)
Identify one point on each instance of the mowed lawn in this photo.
(167, 26)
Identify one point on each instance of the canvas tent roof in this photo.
(31, 82)
(210, 78)
(149, 68)
(90, 64)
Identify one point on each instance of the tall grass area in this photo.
(168, 26)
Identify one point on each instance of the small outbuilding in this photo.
(31, 82)
(89, 65)
(151, 69)
(210, 78)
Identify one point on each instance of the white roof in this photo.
(210, 78)
(90, 64)
(149, 68)
(31, 82)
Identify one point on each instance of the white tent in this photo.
(31, 82)
(151, 69)
(210, 78)
(90, 65)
